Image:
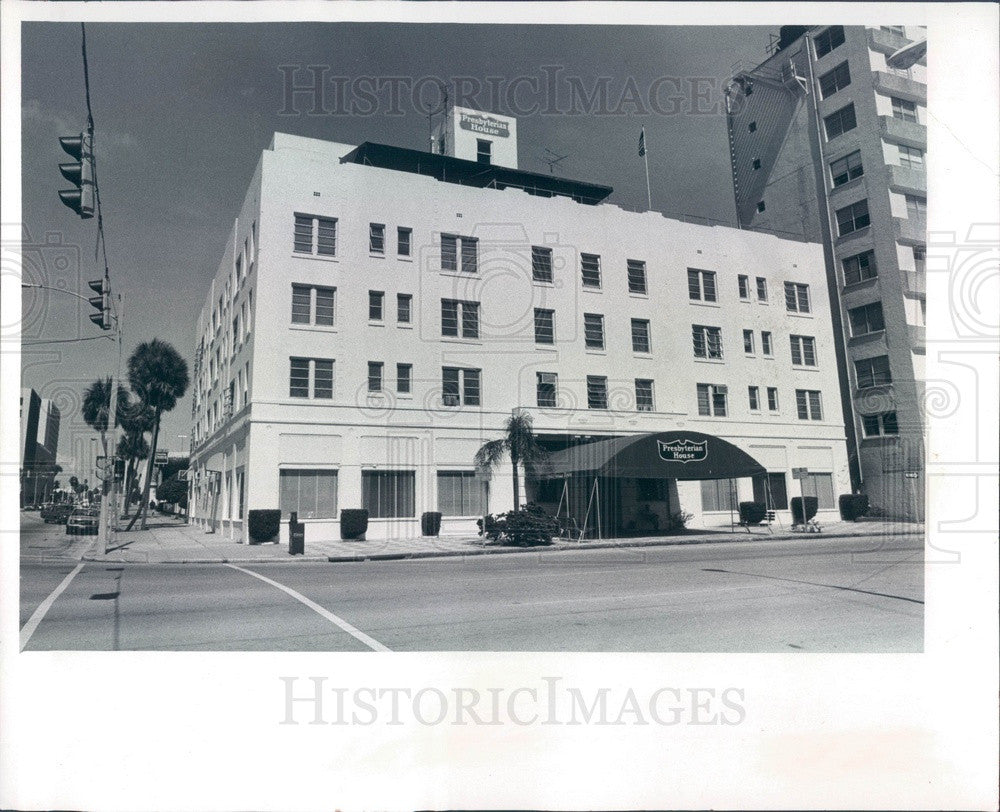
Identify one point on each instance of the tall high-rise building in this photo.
(39, 445)
(828, 140)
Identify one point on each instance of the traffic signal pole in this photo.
(109, 503)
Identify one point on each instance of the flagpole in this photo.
(649, 195)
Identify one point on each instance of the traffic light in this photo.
(102, 318)
(80, 174)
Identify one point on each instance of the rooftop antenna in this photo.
(553, 159)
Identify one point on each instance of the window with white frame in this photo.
(459, 253)
(884, 424)
(309, 492)
(460, 386)
(846, 169)
(859, 267)
(839, 122)
(310, 375)
(459, 319)
(545, 388)
(640, 336)
(819, 485)
(376, 238)
(911, 157)
(312, 304)
(376, 305)
(761, 289)
(718, 495)
(636, 276)
(590, 270)
(707, 341)
(643, 395)
(904, 109)
(797, 297)
(404, 308)
(866, 319)
(916, 206)
(404, 378)
(743, 282)
(808, 404)
(803, 350)
(597, 392)
(772, 398)
(545, 328)
(748, 343)
(701, 285)
(712, 399)
(765, 343)
(375, 376)
(753, 396)
(873, 372)
(593, 331)
(834, 80)
(853, 218)
(541, 264)
(461, 493)
(389, 494)
(315, 235)
(404, 241)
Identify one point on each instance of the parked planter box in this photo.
(430, 523)
(353, 524)
(853, 506)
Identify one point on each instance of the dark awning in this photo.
(662, 455)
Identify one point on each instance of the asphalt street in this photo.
(808, 595)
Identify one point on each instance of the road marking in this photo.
(44, 606)
(357, 634)
(813, 583)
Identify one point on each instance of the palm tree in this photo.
(519, 443)
(133, 448)
(97, 406)
(159, 377)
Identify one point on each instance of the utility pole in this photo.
(109, 503)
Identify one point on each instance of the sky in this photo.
(182, 112)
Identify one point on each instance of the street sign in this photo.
(161, 457)
(800, 473)
(911, 474)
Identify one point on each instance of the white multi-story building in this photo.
(379, 312)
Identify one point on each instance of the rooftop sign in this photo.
(484, 125)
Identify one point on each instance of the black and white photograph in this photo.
(410, 392)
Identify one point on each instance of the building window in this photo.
(839, 122)
(761, 289)
(826, 41)
(404, 378)
(593, 331)
(919, 258)
(313, 305)
(640, 335)
(803, 350)
(454, 248)
(545, 388)
(894, 29)
(707, 341)
(774, 486)
(744, 286)
(643, 395)
(796, 297)
(916, 207)
(820, 486)
(590, 267)
(753, 395)
(866, 319)
(315, 235)
(459, 318)
(761, 206)
(701, 285)
(310, 493)
(765, 342)
(748, 342)
(375, 376)
(404, 241)
(376, 301)
(388, 494)
(376, 238)
(636, 276)
(903, 109)
(321, 370)
(808, 404)
(712, 399)
(461, 493)
(772, 398)
(541, 264)
(752, 127)
(239, 270)
(847, 168)
(756, 163)
(911, 157)
(718, 495)
(460, 387)
(484, 151)
(880, 425)
(404, 308)
(545, 330)
(837, 79)
(860, 267)
(873, 372)
(597, 392)
(852, 218)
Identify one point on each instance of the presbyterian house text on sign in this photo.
(483, 125)
(683, 450)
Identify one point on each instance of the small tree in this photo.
(519, 444)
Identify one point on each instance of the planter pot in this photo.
(263, 525)
(353, 524)
(812, 505)
(430, 523)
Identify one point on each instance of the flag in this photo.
(642, 142)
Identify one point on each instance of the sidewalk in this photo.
(168, 541)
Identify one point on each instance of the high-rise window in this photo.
(640, 335)
(765, 342)
(541, 264)
(376, 301)
(460, 386)
(459, 318)
(590, 268)
(916, 206)
(911, 157)
(904, 109)
(803, 350)
(545, 329)
(636, 276)
(375, 376)
(860, 267)
(701, 285)
(315, 235)
(593, 331)
(772, 398)
(837, 79)
(455, 248)
(303, 371)
(404, 378)
(879, 425)
(376, 238)
(743, 282)
(826, 41)
(388, 494)
(643, 395)
(761, 289)
(919, 258)
(796, 297)
(748, 347)
(753, 396)
(852, 218)
(847, 168)
(841, 121)
(707, 341)
(808, 404)
(484, 151)
(404, 308)
(866, 319)
(313, 305)
(597, 392)
(461, 493)
(404, 241)
(712, 399)
(545, 388)
(873, 372)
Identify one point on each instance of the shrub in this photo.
(678, 521)
(353, 523)
(263, 525)
(853, 506)
(430, 523)
(752, 512)
(812, 505)
(530, 526)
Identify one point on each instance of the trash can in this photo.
(296, 535)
